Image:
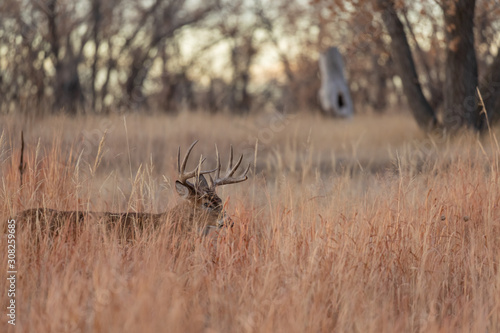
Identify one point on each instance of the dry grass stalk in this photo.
(410, 243)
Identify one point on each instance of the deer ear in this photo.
(183, 191)
(202, 182)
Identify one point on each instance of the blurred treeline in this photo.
(215, 55)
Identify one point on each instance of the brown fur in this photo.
(186, 217)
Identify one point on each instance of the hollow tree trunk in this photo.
(334, 94)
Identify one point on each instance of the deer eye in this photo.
(206, 204)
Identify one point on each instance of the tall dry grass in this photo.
(364, 226)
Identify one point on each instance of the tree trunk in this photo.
(96, 16)
(434, 85)
(460, 100)
(401, 53)
(334, 94)
(67, 88)
(490, 90)
(69, 94)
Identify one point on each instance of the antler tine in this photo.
(198, 167)
(181, 167)
(206, 171)
(179, 160)
(228, 177)
(199, 173)
(217, 175)
(232, 180)
(230, 172)
(230, 162)
(244, 174)
(246, 171)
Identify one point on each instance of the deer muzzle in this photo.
(224, 221)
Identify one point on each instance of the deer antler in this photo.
(228, 177)
(181, 167)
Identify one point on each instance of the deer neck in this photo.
(189, 216)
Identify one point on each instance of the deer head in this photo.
(203, 207)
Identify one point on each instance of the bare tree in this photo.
(461, 68)
(97, 56)
(63, 43)
(402, 55)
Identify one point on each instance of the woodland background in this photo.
(97, 57)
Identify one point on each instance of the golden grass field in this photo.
(366, 225)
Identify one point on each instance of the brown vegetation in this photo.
(343, 226)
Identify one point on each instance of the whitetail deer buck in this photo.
(201, 211)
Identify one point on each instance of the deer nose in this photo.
(225, 221)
